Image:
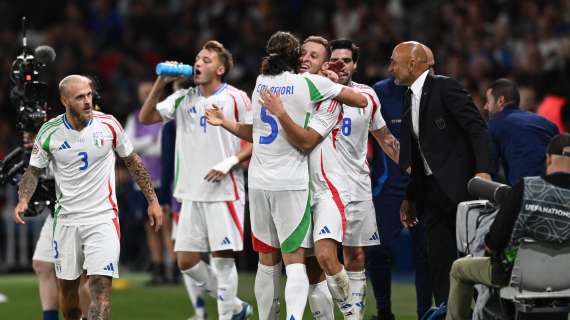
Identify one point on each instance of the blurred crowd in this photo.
(119, 42)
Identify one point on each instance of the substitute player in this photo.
(278, 171)
(208, 180)
(81, 145)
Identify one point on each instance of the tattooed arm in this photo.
(388, 143)
(26, 190)
(141, 176)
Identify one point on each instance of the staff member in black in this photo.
(445, 141)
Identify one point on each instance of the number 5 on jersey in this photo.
(265, 117)
(83, 157)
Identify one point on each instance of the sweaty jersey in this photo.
(275, 163)
(327, 174)
(83, 165)
(200, 146)
(352, 142)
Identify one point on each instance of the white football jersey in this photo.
(200, 146)
(352, 142)
(275, 164)
(83, 165)
(327, 174)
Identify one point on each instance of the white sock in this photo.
(267, 291)
(340, 290)
(196, 294)
(227, 286)
(296, 290)
(204, 277)
(320, 301)
(357, 297)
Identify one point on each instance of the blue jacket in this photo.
(519, 142)
(387, 177)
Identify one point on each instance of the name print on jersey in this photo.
(282, 90)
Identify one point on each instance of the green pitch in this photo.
(167, 302)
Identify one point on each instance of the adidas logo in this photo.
(292, 318)
(374, 236)
(65, 145)
(109, 267)
(325, 230)
(226, 241)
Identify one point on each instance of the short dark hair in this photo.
(223, 54)
(322, 41)
(505, 88)
(283, 50)
(346, 44)
(558, 144)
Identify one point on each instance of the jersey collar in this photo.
(220, 89)
(68, 125)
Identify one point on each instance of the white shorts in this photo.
(329, 220)
(361, 228)
(210, 226)
(175, 217)
(44, 246)
(93, 247)
(280, 219)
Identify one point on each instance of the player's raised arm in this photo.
(141, 176)
(26, 190)
(216, 117)
(352, 98)
(148, 113)
(304, 139)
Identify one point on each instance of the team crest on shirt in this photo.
(99, 139)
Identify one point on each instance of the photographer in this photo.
(526, 212)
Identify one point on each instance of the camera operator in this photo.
(526, 212)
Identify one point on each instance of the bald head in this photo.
(429, 56)
(69, 81)
(409, 60)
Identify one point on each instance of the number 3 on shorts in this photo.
(83, 157)
(272, 123)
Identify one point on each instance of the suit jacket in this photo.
(452, 137)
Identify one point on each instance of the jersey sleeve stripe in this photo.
(374, 105)
(112, 132)
(235, 218)
(110, 117)
(314, 92)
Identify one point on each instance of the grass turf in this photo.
(136, 301)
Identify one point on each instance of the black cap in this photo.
(558, 143)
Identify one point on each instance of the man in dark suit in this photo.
(445, 141)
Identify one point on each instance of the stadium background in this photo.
(120, 42)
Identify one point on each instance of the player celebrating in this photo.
(278, 172)
(361, 228)
(81, 146)
(207, 180)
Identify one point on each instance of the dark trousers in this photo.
(379, 258)
(438, 212)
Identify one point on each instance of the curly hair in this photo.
(283, 50)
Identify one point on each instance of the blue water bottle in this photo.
(173, 70)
